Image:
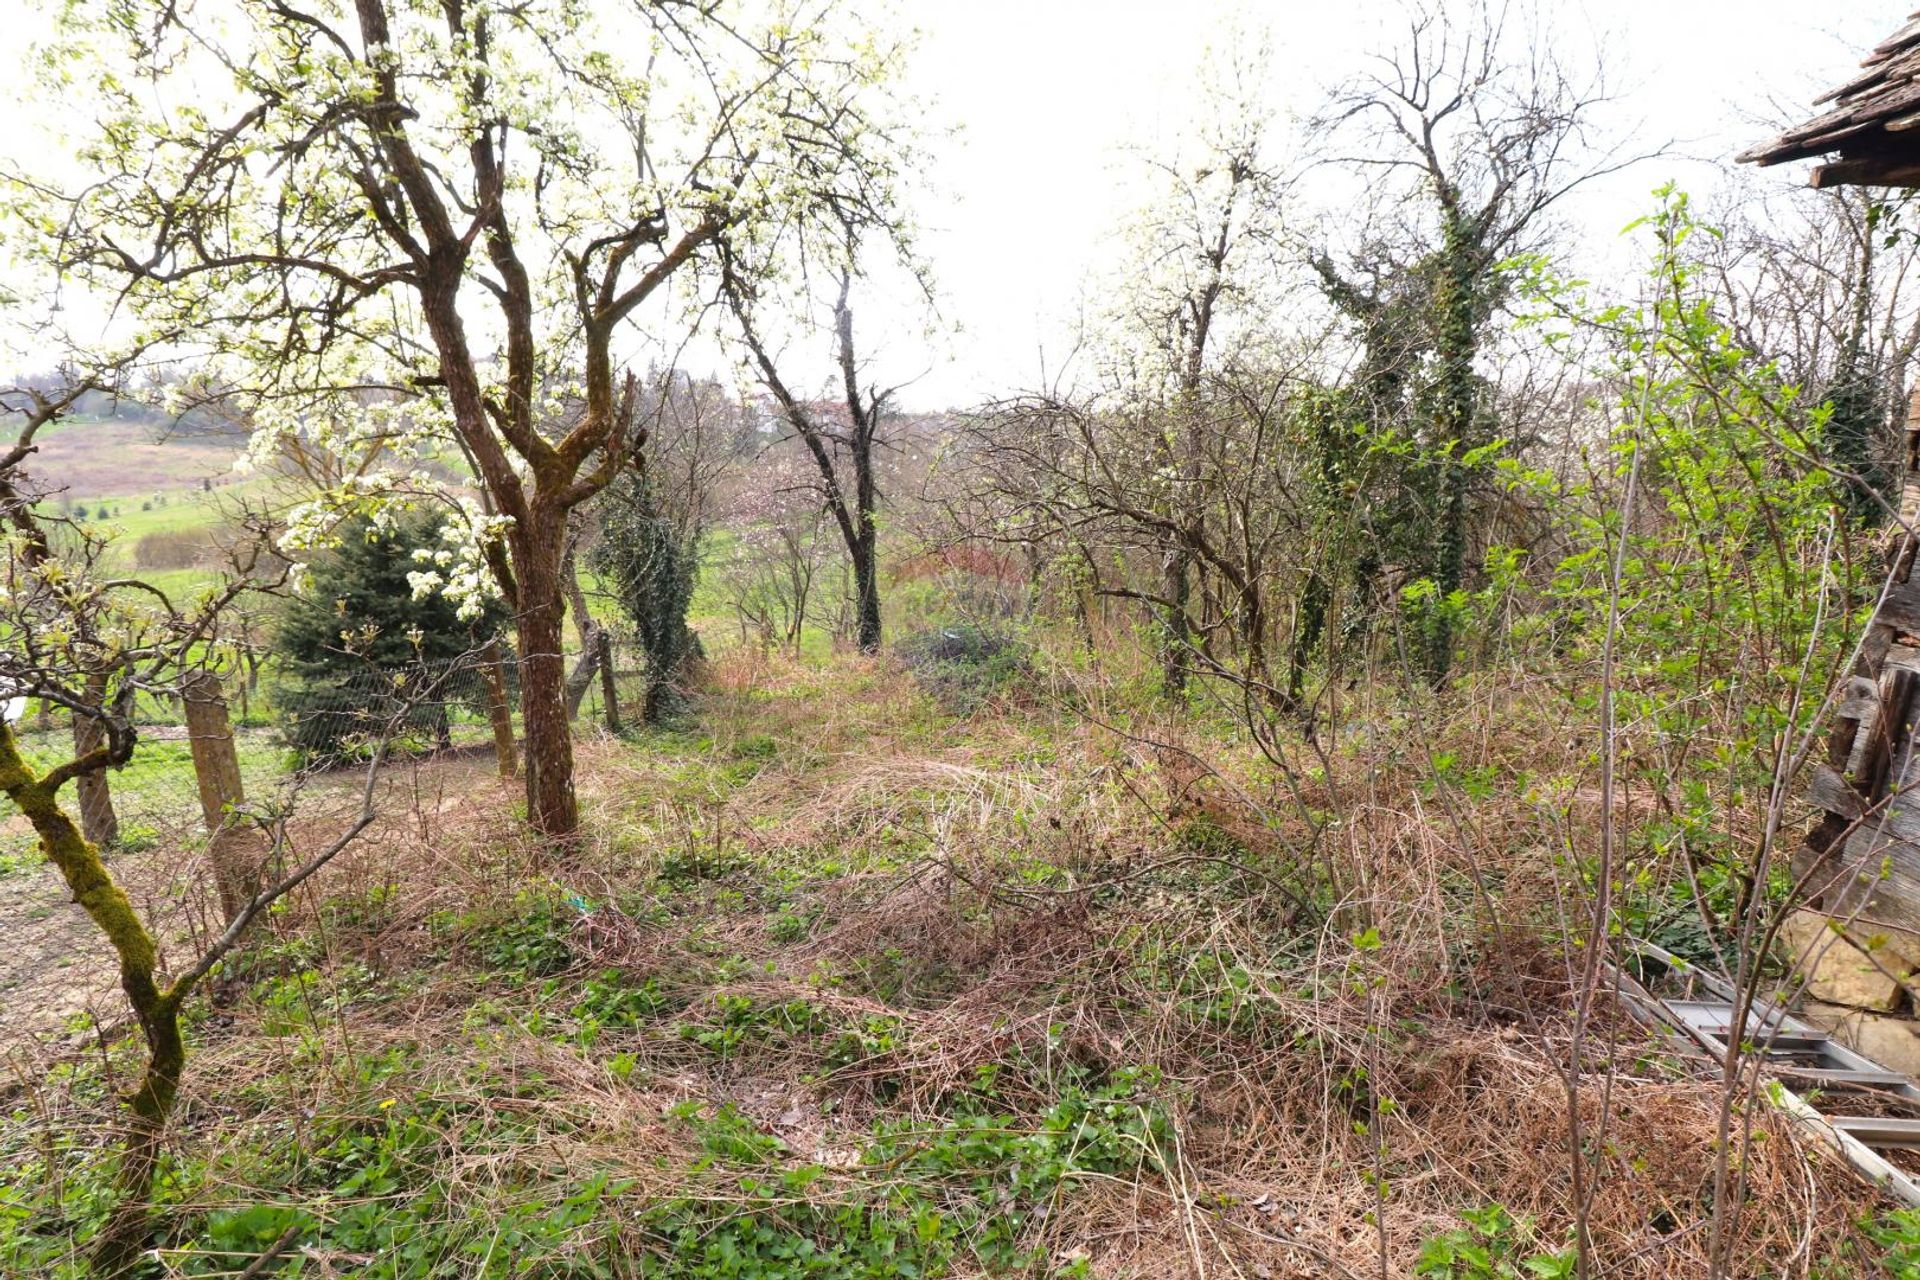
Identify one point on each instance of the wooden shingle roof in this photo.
(1874, 122)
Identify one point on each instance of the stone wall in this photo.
(1861, 987)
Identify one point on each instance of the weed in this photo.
(1494, 1245)
(19, 863)
(689, 866)
(756, 746)
(790, 924)
(532, 944)
(1897, 1232)
(1203, 836)
(878, 1034)
(609, 1002)
(923, 1201)
(743, 1020)
(965, 664)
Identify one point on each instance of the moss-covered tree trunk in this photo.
(157, 1008)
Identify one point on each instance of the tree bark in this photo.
(552, 807)
(863, 545)
(854, 514)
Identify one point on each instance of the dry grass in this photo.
(1346, 985)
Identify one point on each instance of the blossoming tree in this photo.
(390, 223)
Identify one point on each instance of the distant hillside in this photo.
(114, 457)
(195, 423)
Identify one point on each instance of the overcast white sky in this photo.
(1048, 95)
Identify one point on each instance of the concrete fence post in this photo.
(608, 690)
(216, 768)
(94, 793)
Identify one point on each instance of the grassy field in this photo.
(172, 510)
(95, 458)
(848, 983)
(136, 479)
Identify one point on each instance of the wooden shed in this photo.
(1861, 862)
(1871, 126)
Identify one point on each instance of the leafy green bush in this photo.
(965, 664)
(1719, 599)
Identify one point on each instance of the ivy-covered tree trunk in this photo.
(1176, 632)
(863, 535)
(1858, 419)
(866, 581)
(1395, 340)
(1859, 401)
(1309, 627)
(1459, 311)
(652, 561)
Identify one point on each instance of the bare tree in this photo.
(780, 547)
(1824, 282)
(1251, 523)
(844, 449)
(1474, 131)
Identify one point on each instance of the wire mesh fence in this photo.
(155, 795)
(251, 736)
(409, 712)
